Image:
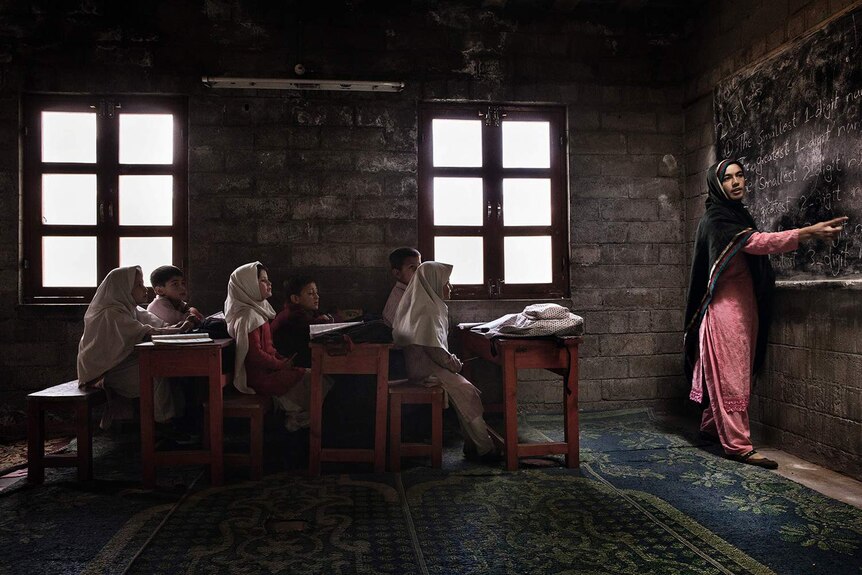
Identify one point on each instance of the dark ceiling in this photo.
(682, 7)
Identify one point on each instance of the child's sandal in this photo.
(757, 461)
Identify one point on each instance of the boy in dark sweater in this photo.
(290, 328)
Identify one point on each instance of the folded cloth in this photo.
(537, 320)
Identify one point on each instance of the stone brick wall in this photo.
(809, 400)
(326, 182)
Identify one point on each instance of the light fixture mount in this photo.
(302, 84)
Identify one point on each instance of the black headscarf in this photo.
(723, 230)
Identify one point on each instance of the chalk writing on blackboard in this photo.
(795, 122)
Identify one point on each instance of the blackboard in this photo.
(795, 122)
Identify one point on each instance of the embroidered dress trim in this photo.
(721, 263)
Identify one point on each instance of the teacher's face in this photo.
(733, 182)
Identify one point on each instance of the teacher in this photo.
(728, 310)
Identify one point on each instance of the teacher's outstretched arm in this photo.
(827, 230)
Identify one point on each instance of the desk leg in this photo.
(216, 420)
(510, 407)
(570, 398)
(148, 416)
(315, 413)
(381, 411)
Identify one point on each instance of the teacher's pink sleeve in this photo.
(764, 243)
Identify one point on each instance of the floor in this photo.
(820, 479)
(815, 477)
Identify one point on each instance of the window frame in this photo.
(108, 170)
(492, 173)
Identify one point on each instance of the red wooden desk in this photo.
(557, 355)
(183, 360)
(363, 358)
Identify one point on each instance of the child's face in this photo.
(264, 284)
(139, 292)
(174, 289)
(308, 297)
(405, 273)
(447, 291)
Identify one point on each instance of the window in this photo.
(492, 198)
(104, 186)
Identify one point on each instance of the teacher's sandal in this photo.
(754, 458)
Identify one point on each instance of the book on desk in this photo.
(181, 339)
(318, 329)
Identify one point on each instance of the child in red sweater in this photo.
(291, 327)
(259, 367)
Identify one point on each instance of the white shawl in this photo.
(537, 320)
(113, 325)
(423, 317)
(244, 312)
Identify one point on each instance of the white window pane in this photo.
(146, 200)
(526, 202)
(146, 139)
(526, 145)
(457, 201)
(69, 199)
(149, 253)
(465, 253)
(69, 137)
(527, 260)
(69, 261)
(456, 143)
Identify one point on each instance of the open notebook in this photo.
(181, 338)
(317, 329)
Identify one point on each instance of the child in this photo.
(422, 329)
(290, 330)
(403, 262)
(170, 305)
(259, 368)
(113, 324)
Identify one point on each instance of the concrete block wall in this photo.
(808, 400)
(326, 182)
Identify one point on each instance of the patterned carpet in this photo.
(782, 523)
(14, 454)
(647, 500)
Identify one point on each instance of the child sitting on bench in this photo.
(290, 329)
(170, 304)
(259, 368)
(113, 325)
(422, 329)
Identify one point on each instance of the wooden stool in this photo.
(253, 408)
(64, 396)
(406, 393)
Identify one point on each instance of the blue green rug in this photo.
(647, 500)
(782, 524)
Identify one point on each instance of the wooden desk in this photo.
(363, 358)
(557, 355)
(183, 360)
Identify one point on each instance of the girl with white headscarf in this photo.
(421, 327)
(259, 368)
(113, 325)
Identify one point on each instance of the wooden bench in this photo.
(66, 396)
(253, 408)
(404, 394)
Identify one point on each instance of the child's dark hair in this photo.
(397, 257)
(261, 268)
(163, 274)
(294, 285)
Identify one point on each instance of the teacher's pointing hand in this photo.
(826, 231)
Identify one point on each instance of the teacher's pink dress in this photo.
(728, 335)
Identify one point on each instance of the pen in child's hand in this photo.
(290, 359)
